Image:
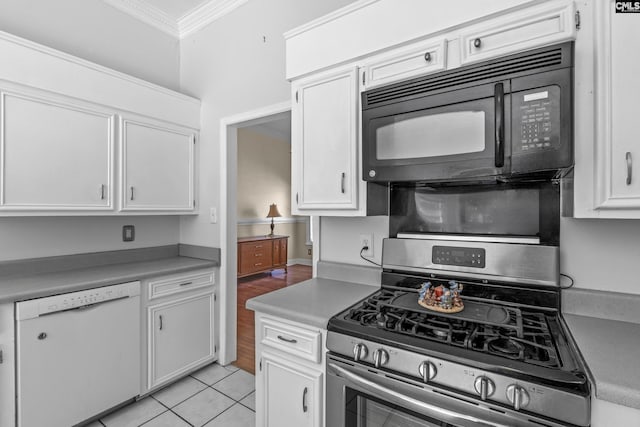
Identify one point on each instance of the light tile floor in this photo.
(213, 396)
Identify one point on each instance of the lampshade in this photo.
(273, 211)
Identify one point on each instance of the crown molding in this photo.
(183, 26)
(148, 14)
(205, 14)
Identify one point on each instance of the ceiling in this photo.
(279, 128)
(176, 17)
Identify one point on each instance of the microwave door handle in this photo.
(499, 118)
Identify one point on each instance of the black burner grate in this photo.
(484, 327)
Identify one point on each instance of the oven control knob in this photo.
(380, 357)
(427, 371)
(517, 396)
(484, 387)
(359, 352)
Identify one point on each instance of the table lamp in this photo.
(273, 213)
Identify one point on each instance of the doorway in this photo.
(256, 174)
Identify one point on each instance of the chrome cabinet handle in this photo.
(185, 284)
(289, 340)
(477, 43)
(102, 192)
(342, 176)
(427, 57)
(160, 321)
(629, 167)
(131, 192)
(304, 399)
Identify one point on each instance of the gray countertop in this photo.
(28, 279)
(312, 302)
(611, 349)
(606, 329)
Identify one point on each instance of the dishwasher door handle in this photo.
(84, 308)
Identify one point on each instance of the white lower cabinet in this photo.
(290, 373)
(7, 366)
(292, 393)
(180, 326)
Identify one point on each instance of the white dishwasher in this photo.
(78, 354)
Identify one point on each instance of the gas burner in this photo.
(506, 347)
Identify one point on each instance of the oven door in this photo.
(460, 134)
(359, 396)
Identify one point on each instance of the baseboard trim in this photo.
(302, 261)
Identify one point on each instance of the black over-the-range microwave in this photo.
(505, 118)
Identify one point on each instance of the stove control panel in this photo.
(464, 257)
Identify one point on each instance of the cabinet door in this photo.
(324, 143)
(530, 28)
(291, 394)
(617, 110)
(7, 366)
(417, 59)
(56, 153)
(283, 251)
(157, 166)
(181, 336)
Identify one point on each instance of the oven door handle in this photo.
(499, 118)
(409, 402)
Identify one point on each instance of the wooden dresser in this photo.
(258, 254)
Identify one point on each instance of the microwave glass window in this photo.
(434, 135)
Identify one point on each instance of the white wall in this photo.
(234, 65)
(601, 254)
(33, 237)
(95, 31)
(99, 33)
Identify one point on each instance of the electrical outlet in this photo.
(366, 240)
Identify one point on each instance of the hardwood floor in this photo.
(253, 286)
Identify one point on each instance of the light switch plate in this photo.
(213, 215)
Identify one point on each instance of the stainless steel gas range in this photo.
(506, 359)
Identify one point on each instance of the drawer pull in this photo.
(257, 264)
(258, 246)
(186, 284)
(427, 57)
(289, 340)
(629, 167)
(257, 254)
(477, 43)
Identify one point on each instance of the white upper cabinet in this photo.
(157, 165)
(325, 167)
(550, 22)
(61, 127)
(57, 154)
(607, 148)
(617, 110)
(416, 59)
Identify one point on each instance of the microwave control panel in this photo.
(538, 114)
(464, 257)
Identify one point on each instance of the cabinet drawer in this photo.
(175, 284)
(520, 31)
(256, 249)
(417, 59)
(301, 342)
